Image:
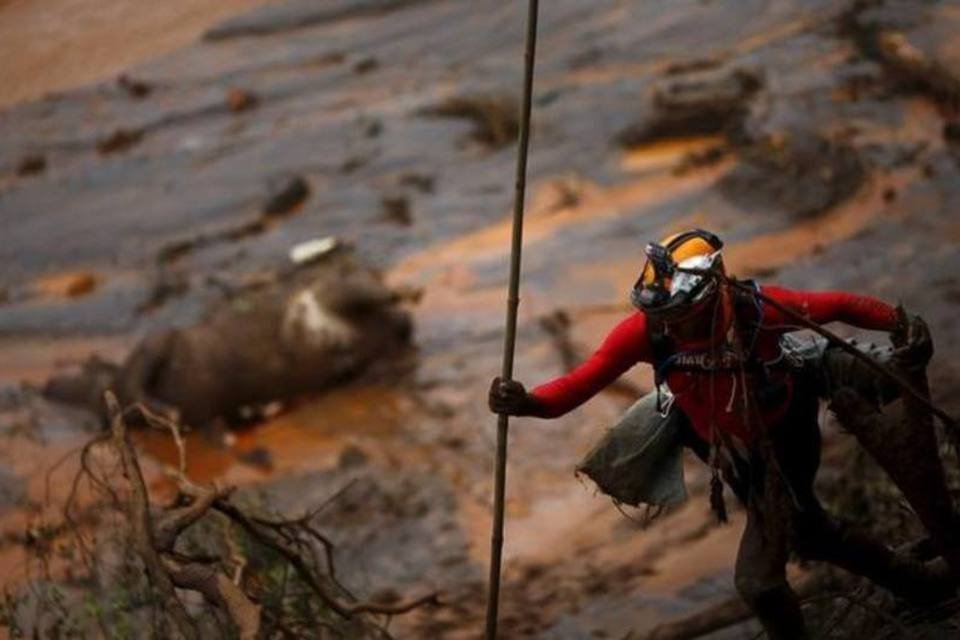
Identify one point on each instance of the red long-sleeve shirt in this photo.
(629, 343)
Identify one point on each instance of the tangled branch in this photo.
(154, 533)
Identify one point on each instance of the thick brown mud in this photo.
(416, 452)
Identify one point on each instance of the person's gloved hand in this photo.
(508, 397)
(913, 345)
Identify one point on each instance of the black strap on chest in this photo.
(749, 314)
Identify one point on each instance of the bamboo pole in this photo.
(510, 333)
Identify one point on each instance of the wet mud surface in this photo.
(836, 175)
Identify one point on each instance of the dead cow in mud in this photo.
(312, 329)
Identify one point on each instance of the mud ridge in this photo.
(291, 16)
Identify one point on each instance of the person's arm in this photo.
(626, 345)
(822, 307)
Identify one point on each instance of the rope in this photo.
(949, 422)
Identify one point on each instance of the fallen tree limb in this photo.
(138, 509)
(153, 534)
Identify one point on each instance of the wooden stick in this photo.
(510, 334)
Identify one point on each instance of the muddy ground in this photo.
(830, 170)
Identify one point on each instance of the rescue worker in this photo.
(721, 369)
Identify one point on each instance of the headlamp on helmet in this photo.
(665, 287)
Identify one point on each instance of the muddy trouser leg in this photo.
(770, 496)
(760, 577)
(818, 536)
(907, 450)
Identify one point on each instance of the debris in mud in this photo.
(928, 74)
(903, 61)
(31, 165)
(371, 127)
(353, 163)
(167, 285)
(312, 250)
(421, 182)
(119, 140)
(396, 209)
(700, 159)
(312, 328)
(692, 65)
(797, 172)
(134, 87)
(285, 193)
(695, 104)
(254, 569)
(494, 118)
(65, 285)
(177, 249)
(352, 457)
(258, 457)
(366, 65)
(239, 100)
(86, 388)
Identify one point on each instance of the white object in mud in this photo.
(311, 250)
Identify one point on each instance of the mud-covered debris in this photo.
(31, 164)
(366, 65)
(796, 172)
(312, 329)
(419, 181)
(312, 250)
(702, 158)
(352, 457)
(120, 140)
(259, 457)
(396, 209)
(371, 127)
(285, 193)
(86, 388)
(353, 163)
(692, 65)
(494, 118)
(167, 285)
(177, 249)
(928, 74)
(239, 100)
(913, 68)
(696, 104)
(134, 87)
(68, 285)
(83, 284)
